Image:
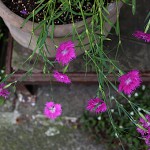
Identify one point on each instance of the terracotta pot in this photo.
(24, 35)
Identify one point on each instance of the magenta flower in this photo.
(96, 105)
(145, 132)
(129, 82)
(101, 108)
(52, 110)
(147, 141)
(61, 77)
(65, 52)
(142, 35)
(3, 92)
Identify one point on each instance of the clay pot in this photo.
(24, 35)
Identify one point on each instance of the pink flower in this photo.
(65, 52)
(141, 131)
(3, 92)
(129, 82)
(52, 110)
(147, 140)
(101, 108)
(145, 132)
(142, 35)
(61, 77)
(96, 105)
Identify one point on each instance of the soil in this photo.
(24, 8)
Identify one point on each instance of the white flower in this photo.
(139, 109)
(116, 134)
(112, 97)
(2, 71)
(143, 87)
(136, 94)
(112, 110)
(120, 127)
(131, 113)
(99, 118)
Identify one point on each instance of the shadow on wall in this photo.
(3, 42)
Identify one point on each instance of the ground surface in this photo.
(23, 125)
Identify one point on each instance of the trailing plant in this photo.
(48, 14)
(100, 128)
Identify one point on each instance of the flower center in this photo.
(64, 52)
(128, 81)
(148, 123)
(97, 105)
(52, 109)
(62, 77)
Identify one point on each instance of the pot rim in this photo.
(17, 21)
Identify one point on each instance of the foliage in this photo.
(2, 74)
(100, 128)
(96, 55)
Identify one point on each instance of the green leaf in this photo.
(141, 127)
(133, 6)
(2, 99)
(14, 89)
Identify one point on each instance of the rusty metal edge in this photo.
(9, 54)
(39, 78)
(75, 77)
